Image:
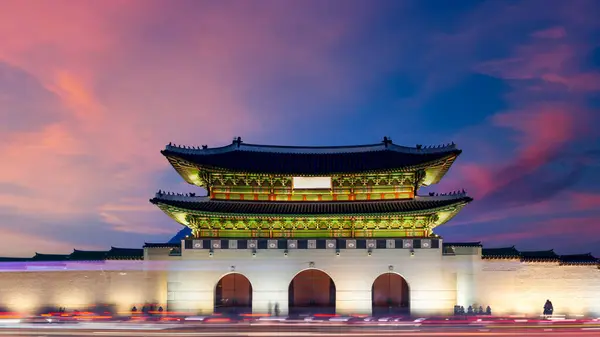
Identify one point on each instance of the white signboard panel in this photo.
(308, 183)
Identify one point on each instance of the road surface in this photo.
(302, 331)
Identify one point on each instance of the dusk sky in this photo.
(91, 91)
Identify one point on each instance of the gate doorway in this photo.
(311, 292)
(390, 295)
(233, 295)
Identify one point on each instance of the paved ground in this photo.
(301, 331)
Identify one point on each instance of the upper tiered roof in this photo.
(310, 160)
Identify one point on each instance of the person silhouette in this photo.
(548, 308)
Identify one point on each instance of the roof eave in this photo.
(448, 162)
(193, 169)
(186, 172)
(166, 208)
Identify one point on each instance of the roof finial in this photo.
(387, 141)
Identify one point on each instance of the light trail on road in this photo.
(207, 331)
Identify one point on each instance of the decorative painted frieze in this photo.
(292, 244)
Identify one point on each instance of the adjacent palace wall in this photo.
(437, 280)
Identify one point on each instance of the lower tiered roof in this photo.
(205, 205)
(422, 213)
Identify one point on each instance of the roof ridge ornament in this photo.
(192, 197)
(387, 141)
(444, 196)
(237, 141)
(238, 144)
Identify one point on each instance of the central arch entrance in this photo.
(311, 292)
(233, 295)
(390, 295)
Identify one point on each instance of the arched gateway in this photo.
(266, 202)
(233, 294)
(390, 295)
(311, 291)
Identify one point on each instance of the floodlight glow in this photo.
(311, 182)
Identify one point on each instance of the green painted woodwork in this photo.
(318, 233)
(416, 223)
(229, 186)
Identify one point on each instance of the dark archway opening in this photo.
(390, 295)
(233, 295)
(311, 292)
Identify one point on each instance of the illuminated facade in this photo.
(311, 229)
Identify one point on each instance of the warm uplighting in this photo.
(181, 218)
(310, 183)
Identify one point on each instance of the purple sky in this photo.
(91, 91)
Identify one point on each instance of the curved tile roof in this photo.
(252, 158)
(504, 252)
(462, 244)
(578, 259)
(86, 255)
(162, 245)
(539, 255)
(312, 207)
(50, 257)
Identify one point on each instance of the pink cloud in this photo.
(585, 201)
(568, 204)
(550, 33)
(530, 62)
(541, 130)
(16, 244)
(544, 208)
(553, 62)
(124, 90)
(584, 82)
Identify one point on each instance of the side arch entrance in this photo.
(390, 295)
(311, 292)
(233, 295)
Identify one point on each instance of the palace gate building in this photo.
(310, 230)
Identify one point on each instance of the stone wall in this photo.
(78, 286)
(187, 283)
(513, 287)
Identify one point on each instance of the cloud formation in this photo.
(91, 91)
(554, 149)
